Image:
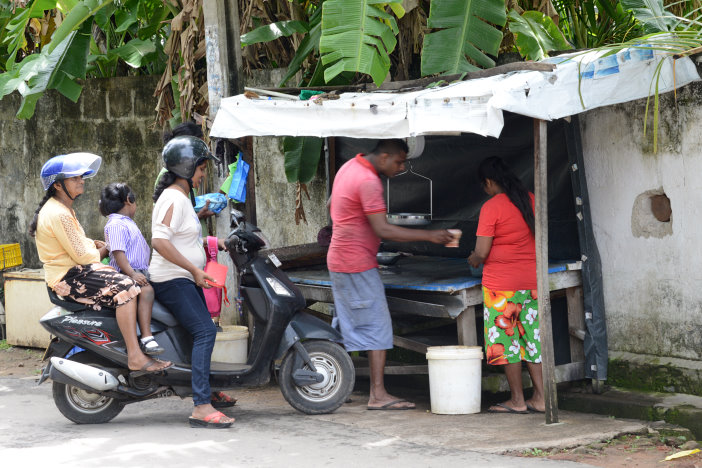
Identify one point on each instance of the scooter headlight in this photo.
(278, 287)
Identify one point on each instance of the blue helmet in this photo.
(69, 165)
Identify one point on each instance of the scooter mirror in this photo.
(237, 217)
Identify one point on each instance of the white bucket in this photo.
(455, 379)
(231, 345)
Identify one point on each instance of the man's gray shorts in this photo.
(362, 310)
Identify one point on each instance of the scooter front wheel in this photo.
(333, 362)
(82, 406)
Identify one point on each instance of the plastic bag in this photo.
(218, 201)
(237, 191)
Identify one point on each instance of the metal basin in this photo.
(388, 258)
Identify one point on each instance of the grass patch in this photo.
(4, 345)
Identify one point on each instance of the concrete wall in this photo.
(113, 118)
(651, 268)
(275, 197)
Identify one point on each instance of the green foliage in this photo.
(301, 158)
(4, 345)
(652, 14)
(129, 34)
(357, 36)
(465, 31)
(595, 23)
(14, 39)
(308, 46)
(273, 31)
(535, 34)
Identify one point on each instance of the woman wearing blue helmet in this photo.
(72, 261)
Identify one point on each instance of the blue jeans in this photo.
(187, 303)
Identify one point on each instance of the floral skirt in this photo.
(511, 326)
(97, 285)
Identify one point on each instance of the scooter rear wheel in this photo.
(81, 406)
(333, 362)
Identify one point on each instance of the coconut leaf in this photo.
(465, 30)
(357, 36)
(535, 34)
(301, 158)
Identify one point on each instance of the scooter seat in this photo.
(71, 306)
(161, 314)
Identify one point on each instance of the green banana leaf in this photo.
(134, 51)
(15, 29)
(126, 16)
(652, 14)
(52, 70)
(75, 18)
(535, 34)
(357, 36)
(301, 158)
(308, 46)
(465, 31)
(271, 32)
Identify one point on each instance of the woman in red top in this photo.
(505, 244)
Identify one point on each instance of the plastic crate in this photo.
(10, 256)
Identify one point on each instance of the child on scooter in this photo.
(129, 253)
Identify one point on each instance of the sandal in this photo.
(151, 347)
(144, 369)
(222, 400)
(211, 421)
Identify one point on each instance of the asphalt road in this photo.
(267, 433)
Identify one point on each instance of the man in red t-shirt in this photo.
(357, 209)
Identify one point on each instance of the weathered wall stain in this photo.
(651, 276)
(113, 118)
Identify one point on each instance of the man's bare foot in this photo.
(536, 406)
(390, 402)
(508, 407)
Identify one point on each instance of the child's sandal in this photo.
(151, 347)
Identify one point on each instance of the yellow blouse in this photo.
(61, 241)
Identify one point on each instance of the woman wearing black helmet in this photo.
(177, 264)
(72, 261)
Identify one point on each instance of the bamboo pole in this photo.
(541, 235)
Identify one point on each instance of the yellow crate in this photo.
(10, 256)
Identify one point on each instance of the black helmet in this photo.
(183, 154)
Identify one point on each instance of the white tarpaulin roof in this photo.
(580, 82)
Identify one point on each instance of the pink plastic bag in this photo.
(213, 296)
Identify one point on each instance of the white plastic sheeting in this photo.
(580, 82)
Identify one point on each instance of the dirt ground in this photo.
(641, 451)
(20, 362)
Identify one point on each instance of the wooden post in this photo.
(223, 79)
(541, 214)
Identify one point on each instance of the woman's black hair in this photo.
(495, 169)
(166, 180)
(33, 225)
(185, 129)
(114, 196)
